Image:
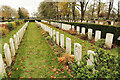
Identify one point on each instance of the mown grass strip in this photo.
(35, 58)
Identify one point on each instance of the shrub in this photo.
(14, 25)
(105, 66)
(65, 59)
(100, 43)
(84, 36)
(18, 22)
(72, 31)
(10, 26)
(4, 31)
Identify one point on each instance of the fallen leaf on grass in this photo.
(45, 66)
(9, 73)
(56, 73)
(64, 76)
(24, 67)
(62, 72)
(35, 67)
(30, 77)
(59, 70)
(54, 69)
(52, 76)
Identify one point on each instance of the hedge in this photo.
(103, 28)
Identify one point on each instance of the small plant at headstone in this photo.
(65, 59)
(84, 36)
(72, 31)
(100, 43)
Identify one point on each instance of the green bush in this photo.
(18, 22)
(105, 66)
(100, 43)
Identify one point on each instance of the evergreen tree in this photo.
(20, 13)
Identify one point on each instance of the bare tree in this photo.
(118, 9)
(82, 8)
(110, 8)
(99, 5)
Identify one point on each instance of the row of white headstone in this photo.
(108, 39)
(77, 46)
(10, 51)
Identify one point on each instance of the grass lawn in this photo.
(6, 38)
(35, 58)
(85, 44)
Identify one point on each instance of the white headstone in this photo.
(112, 22)
(57, 38)
(78, 52)
(7, 54)
(68, 45)
(109, 40)
(73, 27)
(51, 34)
(12, 47)
(90, 34)
(62, 40)
(78, 30)
(83, 30)
(2, 68)
(54, 35)
(97, 35)
(17, 35)
(15, 40)
(90, 61)
(96, 22)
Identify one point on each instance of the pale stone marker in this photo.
(68, 45)
(91, 60)
(83, 30)
(109, 40)
(78, 30)
(112, 22)
(78, 52)
(90, 34)
(15, 41)
(62, 40)
(96, 22)
(12, 47)
(97, 35)
(7, 54)
(2, 68)
(51, 34)
(54, 35)
(73, 27)
(17, 35)
(57, 38)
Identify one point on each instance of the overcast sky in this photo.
(31, 5)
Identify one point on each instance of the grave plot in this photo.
(35, 58)
(86, 43)
(91, 65)
(5, 39)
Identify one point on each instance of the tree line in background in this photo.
(8, 12)
(78, 10)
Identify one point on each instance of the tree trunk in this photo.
(98, 9)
